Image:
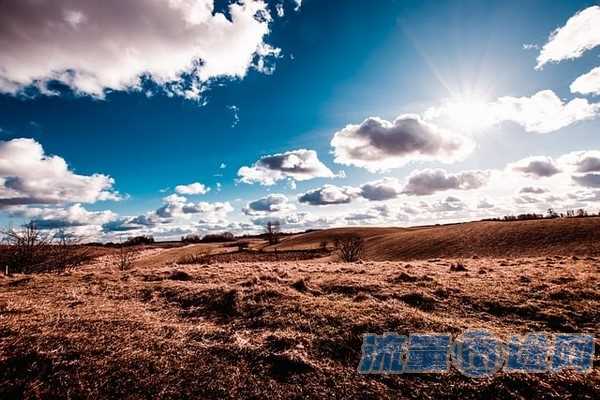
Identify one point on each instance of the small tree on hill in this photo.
(350, 247)
(273, 229)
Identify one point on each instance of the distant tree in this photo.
(191, 239)
(582, 213)
(551, 213)
(218, 237)
(138, 240)
(273, 230)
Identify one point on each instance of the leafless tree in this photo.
(273, 229)
(350, 247)
(67, 251)
(125, 257)
(29, 250)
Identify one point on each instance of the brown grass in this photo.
(242, 328)
(278, 329)
(566, 237)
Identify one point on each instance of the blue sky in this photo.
(337, 63)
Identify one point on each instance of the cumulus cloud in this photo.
(192, 188)
(581, 161)
(525, 199)
(61, 218)
(299, 165)
(587, 83)
(270, 204)
(589, 180)
(485, 203)
(178, 207)
(29, 176)
(329, 194)
(449, 204)
(579, 34)
(428, 181)
(175, 212)
(295, 221)
(383, 189)
(543, 112)
(94, 47)
(536, 167)
(584, 167)
(377, 144)
(533, 190)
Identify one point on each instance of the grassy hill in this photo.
(574, 236)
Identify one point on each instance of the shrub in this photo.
(125, 257)
(30, 250)
(350, 247)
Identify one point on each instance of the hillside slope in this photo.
(576, 236)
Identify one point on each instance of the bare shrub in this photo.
(125, 257)
(350, 247)
(31, 250)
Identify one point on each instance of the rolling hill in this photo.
(575, 236)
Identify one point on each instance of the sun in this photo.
(469, 113)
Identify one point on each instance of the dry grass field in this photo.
(248, 325)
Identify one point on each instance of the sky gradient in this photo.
(186, 116)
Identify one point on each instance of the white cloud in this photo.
(449, 204)
(428, 181)
(581, 161)
(176, 213)
(485, 203)
(543, 112)
(29, 176)
(299, 165)
(587, 83)
(178, 207)
(192, 188)
(579, 34)
(178, 44)
(296, 221)
(270, 204)
(536, 167)
(525, 199)
(533, 190)
(61, 218)
(383, 189)
(377, 144)
(329, 194)
(236, 115)
(280, 11)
